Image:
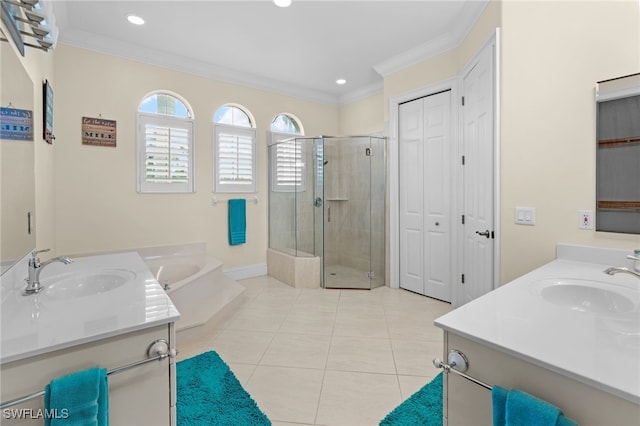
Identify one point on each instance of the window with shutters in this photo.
(288, 155)
(165, 145)
(234, 151)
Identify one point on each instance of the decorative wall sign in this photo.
(47, 113)
(98, 131)
(16, 124)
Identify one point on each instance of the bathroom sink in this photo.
(586, 296)
(82, 284)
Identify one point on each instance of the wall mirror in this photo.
(618, 155)
(17, 177)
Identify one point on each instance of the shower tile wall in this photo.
(348, 184)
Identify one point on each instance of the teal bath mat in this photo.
(422, 408)
(210, 394)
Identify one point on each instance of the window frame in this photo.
(162, 120)
(277, 138)
(221, 187)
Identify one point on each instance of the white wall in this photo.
(97, 206)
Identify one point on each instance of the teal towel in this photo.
(237, 221)
(517, 408)
(78, 399)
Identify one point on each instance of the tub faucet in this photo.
(35, 267)
(621, 269)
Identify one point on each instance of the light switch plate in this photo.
(525, 216)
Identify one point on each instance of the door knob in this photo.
(318, 202)
(484, 234)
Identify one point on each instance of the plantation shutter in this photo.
(167, 154)
(288, 163)
(235, 159)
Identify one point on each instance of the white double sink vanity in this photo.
(106, 311)
(567, 333)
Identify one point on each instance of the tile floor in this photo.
(326, 357)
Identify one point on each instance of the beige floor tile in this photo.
(252, 319)
(297, 350)
(412, 384)
(238, 346)
(414, 357)
(242, 371)
(363, 324)
(355, 399)
(317, 300)
(286, 394)
(413, 327)
(359, 354)
(308, 322)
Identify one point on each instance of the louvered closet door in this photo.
(424, 143)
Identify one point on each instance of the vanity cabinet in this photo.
(466, 403)
(142, 395)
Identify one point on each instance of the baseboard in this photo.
(244, 272)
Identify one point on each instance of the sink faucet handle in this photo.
(636, 259)
(36, 252)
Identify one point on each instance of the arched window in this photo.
(165, 144)
(234, 150)
(288, 157)
(285, 123)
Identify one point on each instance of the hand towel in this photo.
(517, 408)
(78, 399)
(237, 221)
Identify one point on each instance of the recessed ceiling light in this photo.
(135, 19)
(341, 81)
(282, 3)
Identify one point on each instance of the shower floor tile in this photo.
(339, 276)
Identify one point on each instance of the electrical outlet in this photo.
(585, 219)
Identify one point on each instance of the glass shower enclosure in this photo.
(327, 200)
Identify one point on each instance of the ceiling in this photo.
(300, 50)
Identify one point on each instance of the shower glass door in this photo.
(347, 212)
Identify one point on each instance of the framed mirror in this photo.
(618, 155)
(17, 177)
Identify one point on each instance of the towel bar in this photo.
(458, 364)
(215, 201)
(157, 351)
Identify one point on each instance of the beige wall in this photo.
(97, 205)
(362, 117)
(553, 54)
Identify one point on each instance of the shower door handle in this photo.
(318, 202)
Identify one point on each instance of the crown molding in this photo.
(362, 93)
(92, 42)
(450, 40)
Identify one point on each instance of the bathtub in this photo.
(193, 280)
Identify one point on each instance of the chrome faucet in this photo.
(636, 259)
(618, 269)
(35, 267)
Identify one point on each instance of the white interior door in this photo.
(425, 181)
(478, 179)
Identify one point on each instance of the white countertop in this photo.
(59, 317)
(601, 350)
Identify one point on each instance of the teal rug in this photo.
(422, 408)
(210, 394)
